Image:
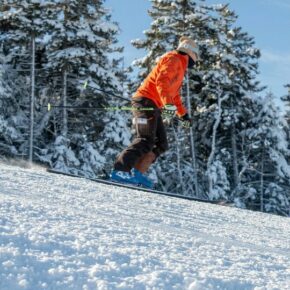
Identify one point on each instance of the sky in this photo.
(268, 21)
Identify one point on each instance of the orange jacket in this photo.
(163, 83)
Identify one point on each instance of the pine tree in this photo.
(19, 24)
(78, 53)
(73, 40)
(232, 68)
(14, 119)
(286, 98)
(265, 178)
(7, 133)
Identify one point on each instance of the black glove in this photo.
(186, 121)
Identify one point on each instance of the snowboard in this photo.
(139, 188)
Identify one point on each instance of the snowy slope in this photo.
(60, 232)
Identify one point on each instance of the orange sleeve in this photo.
(181, 110)
(168, 74)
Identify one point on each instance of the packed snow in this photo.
(59, 232)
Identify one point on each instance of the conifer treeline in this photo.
(240, 133)
(73, 42)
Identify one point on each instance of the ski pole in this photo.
(123, 108)
(116, 108)
(103, 91)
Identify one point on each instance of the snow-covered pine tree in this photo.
(82, 37)
(20, 22)
(8, 133)
(73, 39)
(232, 69)
(286, 99)
(265, 176)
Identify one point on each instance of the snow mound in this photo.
(64, 233)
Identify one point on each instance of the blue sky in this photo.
(268, 21)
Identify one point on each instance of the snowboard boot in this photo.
(142, 166)
(142, 179)
(124, 177)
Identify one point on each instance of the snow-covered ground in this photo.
(60, 232)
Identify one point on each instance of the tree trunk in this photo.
(213, 143)
(234, 155)
(262, 183)
(64, 128)
(178, 161)
(32, 97)
(191, 135)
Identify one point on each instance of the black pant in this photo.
(150, 134)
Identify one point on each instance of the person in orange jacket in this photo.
(158, 94)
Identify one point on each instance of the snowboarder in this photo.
(158, 95)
